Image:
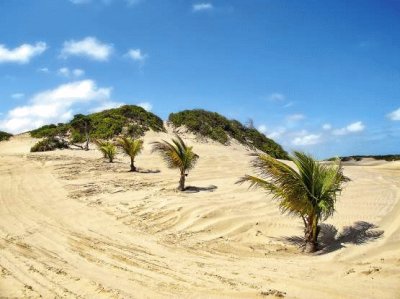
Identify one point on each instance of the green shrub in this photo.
(50, 130)
(376, 157)
(219, 128)
(49, 144)
(4, 136)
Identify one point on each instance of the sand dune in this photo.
(73, 225)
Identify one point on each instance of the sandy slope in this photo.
(72, 225)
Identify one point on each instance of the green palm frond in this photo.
(107, 148)
(309, 190)
(131, 147)
(176, 154)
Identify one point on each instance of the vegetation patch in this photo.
(4, 136)
(219, 128)
(49, 144)
(376, 157)
(129, 119)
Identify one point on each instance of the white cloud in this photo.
(351, 128)
(202, 7)
(78, 72)
(277, 133)
(307, 139)
(394, 115)
(88, 47)
(23, 53)
(145, 105)
(66, 72)
(355, 127)
(326, 127)
(262, 129)
(136, 54)
(276, 97)
(290, 104)
(52, 106)
(107, 105)
(17, 95)
(295, 117)
(44, 70)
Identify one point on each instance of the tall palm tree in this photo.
(177, 155)
(131, 147)
(310, 192)
(107, 148)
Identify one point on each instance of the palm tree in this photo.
(177, 155)
(107, 148)
(309, 192)
(131, 147)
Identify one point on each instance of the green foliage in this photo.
(177, 155)
(105, 124)
(112, 122)
(50, 131)
(49, 144)
(309, 192)
(4, 136)
(376, 157)
(131, 147)
(219, 128)
(108, 149)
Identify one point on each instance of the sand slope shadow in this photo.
(194, 189)
(329, 240)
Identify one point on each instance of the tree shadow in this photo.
(140, 170)
(330, 240)
(194, 189)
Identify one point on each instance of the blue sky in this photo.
(320, 76)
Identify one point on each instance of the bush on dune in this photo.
(219, 128)
(5, 136)
(49, 144)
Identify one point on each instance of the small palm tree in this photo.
(131, 147)
(107, 148)
(177, 155)
(309, 192)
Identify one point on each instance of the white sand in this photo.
(73, 225)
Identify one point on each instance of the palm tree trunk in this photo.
(133, 168)
(311, 234)
(182, 182)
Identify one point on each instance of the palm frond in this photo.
(176, 154)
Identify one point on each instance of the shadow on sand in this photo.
(140, 170)
(194, 189)
(329, 240)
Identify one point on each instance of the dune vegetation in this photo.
(129, 120)
(376, 157)
(217, 127)
(49, 144)
(5, 136)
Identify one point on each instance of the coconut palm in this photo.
(177, 155)
(309, 192)
(131, 147)
(107, 148)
